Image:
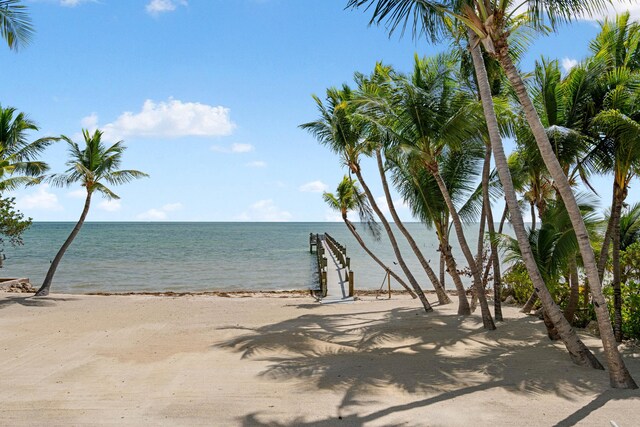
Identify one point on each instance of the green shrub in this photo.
(517, 283)
(630, 307)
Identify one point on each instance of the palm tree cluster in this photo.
(433, 134)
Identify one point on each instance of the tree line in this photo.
(434, 132)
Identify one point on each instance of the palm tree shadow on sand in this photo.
(30, 301)
(362, 354)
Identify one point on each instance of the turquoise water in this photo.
(125, 257)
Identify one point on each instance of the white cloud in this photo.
(618, 6)
(172, 207)
(80, 193)
(110, 205)
(170, 119)
(159, 214)
(90, 122)
(73, 3)
(314, 187)
(257, 164)
(153, 215)
(568, 64)
(41, 199)
(234, 148)
(265, 210)
(155, 7)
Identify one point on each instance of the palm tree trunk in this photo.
(615, 263)
(443, 298)
(604, 252)
(533, 216)
(353, 230)
(528, 306)
(579, 353)
(487, 319)
(574, 295)
(495, 261)
(46, 285)
(505, 212)
(392, 239)
(442, 269)
(463, 303)
(619, 376)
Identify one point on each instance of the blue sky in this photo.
(208, 96)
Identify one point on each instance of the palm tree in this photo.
(15, 24)
(18, 166)
(418, 187)
(343, 132)
(349, 197)
(432, 114)
(428, 17)
(618, 126)
(92, 167)
(371, 91)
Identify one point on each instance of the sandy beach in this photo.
(285, 360)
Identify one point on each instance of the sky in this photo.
(208, 96)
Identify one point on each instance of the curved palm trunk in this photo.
(464, 308)
(619, 375)
(355, 233)
(443, 298)
(579, 353)
(442, 268)
(487, 320)
(394, 243)
(533, 216)
(46, 285)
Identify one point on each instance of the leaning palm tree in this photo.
(488, 24)
(372, 91)
(15, 24)
(18, 164)
(349, 197)
(343, 132)
(93, 166)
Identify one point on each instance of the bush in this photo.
(517, 283)
(630, 307)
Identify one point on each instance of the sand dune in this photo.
(284, 360)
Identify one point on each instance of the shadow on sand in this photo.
(361, 354)
(31, 301)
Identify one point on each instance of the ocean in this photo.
(182, 257)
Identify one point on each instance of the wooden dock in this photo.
(334, 269)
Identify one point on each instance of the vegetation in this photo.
(13, 224)
(92, 166)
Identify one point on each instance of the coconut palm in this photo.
(93, 167)
(618, 127)
(432, 114)
(15, 24)
(343, 132)
(418, 187)
(373, 90)
(428, 17)
(349, 197)
(18, 166)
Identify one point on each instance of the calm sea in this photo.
(124, 257)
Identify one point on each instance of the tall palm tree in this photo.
(432, 114)
(418, 187)
(428, 17)
(343, 132)
(618, 127)
(349, 197)
(18, 164)
(371, 91)
(93, 167)
(15, 24)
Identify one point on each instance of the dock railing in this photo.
(339, 252)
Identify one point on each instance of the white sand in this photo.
(70, 360)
